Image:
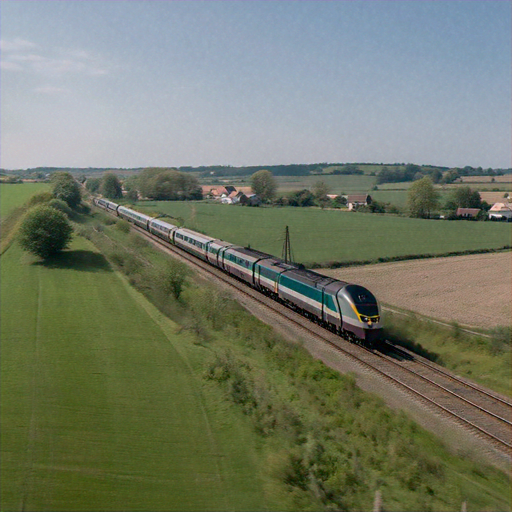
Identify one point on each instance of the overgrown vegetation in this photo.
(484, 358)
(328, 445)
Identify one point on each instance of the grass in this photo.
(325, 236)
(101, 406)
(14, 195)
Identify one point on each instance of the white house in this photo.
(501, 211)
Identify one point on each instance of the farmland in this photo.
(472, 290)
(323, 236)
(12, 196)
(101, 407)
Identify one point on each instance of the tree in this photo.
(302, 198)
(66, 188)
(422, 198)
(111, 186)
(464, 197)
(320, 191)
(168, 184)
(45, 231)
(93, 185)
(264, 185)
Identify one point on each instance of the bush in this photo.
(123, 226)
(60, 205)
(45, 231)
(40, 198)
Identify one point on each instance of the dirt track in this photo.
(472, 290)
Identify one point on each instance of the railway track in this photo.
(484, 413)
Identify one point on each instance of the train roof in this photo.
(313, 278)
(195, 234)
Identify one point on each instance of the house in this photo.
(501, 211)
(467, 213)
(355, 200)
(214, 191)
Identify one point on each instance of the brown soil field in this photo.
(506, 178)
(493, 197)
(474, 290)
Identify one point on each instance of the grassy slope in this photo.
(15, 195)
(100, 407)
(322, 236)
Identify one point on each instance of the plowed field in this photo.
(473, 290)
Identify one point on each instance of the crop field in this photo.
(322, 236)
(14, 195)
(101, 404)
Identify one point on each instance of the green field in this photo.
(338, 184)
(14, 195)
(323, 236)
(101, 404)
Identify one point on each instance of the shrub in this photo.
(60, 205)
(123, 226)
(40, 198)
(45, 231)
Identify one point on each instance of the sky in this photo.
(169, 83)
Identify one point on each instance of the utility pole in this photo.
(287, 248)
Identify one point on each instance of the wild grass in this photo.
(324, 238)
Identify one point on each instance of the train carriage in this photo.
(360, 312)
(100, 202)
(162, 229)
(239, 261)
(267, 272)
(214, 251)
(132, 216)
(112, 207)
(193, 242)
(306, 290)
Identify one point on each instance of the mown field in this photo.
(13, 195)
(101, 408)
(332, 236)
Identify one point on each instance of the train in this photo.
(349, 310)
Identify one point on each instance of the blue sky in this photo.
(114, 83)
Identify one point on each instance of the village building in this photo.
(467, 213)
(501, 211)
(355, 200)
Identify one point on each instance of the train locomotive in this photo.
(346, 309)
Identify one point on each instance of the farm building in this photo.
(355, 200)
(214, 191)
(468, 213)
(501, 211)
